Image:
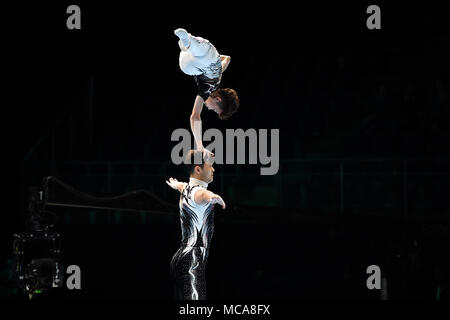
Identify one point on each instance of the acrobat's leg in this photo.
(187, 271)
(197, 46)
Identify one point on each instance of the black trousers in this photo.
(187, 270)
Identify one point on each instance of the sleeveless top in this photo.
(197, 221)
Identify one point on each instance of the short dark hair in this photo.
(192, 159)
(229, 103)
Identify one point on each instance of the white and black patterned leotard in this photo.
(209, 81)
(187, 267)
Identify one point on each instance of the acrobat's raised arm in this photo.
(225, 61)
(196, 122)
(196, 127)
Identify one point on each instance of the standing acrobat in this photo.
(187, 267)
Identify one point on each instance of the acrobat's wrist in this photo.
(181, 186)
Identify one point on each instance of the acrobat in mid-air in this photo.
(200, 59)
(187, 267)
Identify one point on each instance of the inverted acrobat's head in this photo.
(197, 168)
(224, 102)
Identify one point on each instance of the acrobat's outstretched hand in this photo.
(175, 184)
(217, 199)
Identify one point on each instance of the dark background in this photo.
(364, 145)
